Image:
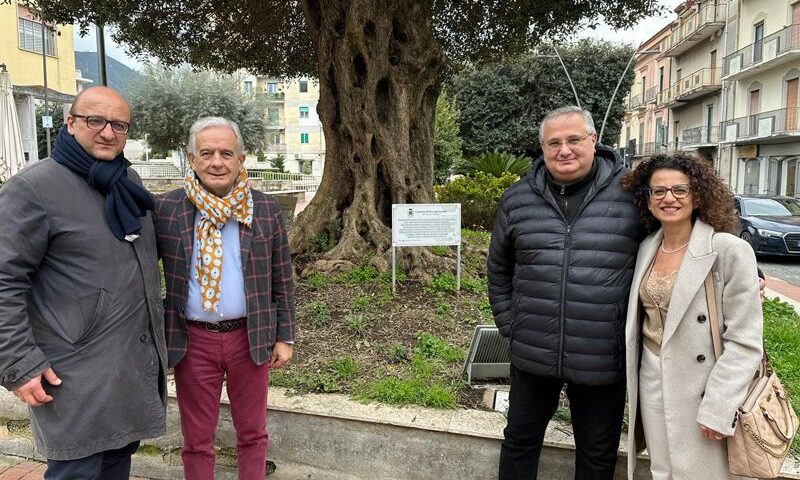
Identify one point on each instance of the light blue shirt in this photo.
(232, 300)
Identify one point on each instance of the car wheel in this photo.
(745, 235)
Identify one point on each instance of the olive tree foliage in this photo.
(502, 103)
(167, 101)
(380, 65)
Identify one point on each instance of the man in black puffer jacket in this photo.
(560, 267)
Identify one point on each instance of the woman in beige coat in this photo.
(683, 403)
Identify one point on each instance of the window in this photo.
(303, 86)
(248, 86)
(758, 42)
(275, 139)
(303, 112)
(273, 118)
(660, 79)
(272, 87)
(30, 37)
(303, 138)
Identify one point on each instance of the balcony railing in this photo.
(697, 84)
(694, 28)
(654, 148)
(699, 136)
(635, 102)
(156, 169)
(760, 125)
(275, 148)
(774, 49)
(650, 94)
(272, 97)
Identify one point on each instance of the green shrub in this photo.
(495, 164)
(360, 276)
(361, 302)
(356, 323)
(316, 280)
(431, 346)
(478, 195)
(345, 368)
(319, 313)
(442, 283)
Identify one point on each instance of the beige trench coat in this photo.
(696, 388)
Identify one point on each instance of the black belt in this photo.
(220, 327)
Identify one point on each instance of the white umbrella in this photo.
(11, 152)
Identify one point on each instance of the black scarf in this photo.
(125, 200)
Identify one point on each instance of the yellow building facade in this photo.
(21, 51)
(293, 126)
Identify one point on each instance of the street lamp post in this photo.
(616, 89)
(566, 72)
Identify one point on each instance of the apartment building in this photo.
(696, 46)
(643, 130)
(760, 133)
(733, 90)
(293, 126)
(21, 52)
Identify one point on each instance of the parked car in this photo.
(770, 223)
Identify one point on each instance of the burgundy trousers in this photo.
(212, 356)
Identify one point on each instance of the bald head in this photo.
(107, 104)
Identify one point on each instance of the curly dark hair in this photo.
(713, 199)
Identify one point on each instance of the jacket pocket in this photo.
(95, 315)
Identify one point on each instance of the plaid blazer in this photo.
(266, 266)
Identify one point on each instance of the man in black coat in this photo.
(560, 265)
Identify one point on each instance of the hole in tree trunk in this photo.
(356, 159)
(369, 29)
(383, 100)
(398, 32)
(408, 182)
(360, 70)
(374, 147)
(383, 197)
(339, 27)
(334, 95)
(394, 57)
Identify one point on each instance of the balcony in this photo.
(653, 148)
(635, 102)
(650, 94)
(776, 126)
(776, 49)
(694, 28)
(699, 137)
(275, 148)
(696, 85)
(272, 97)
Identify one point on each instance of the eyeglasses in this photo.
(98, 123)
(680, 190)
(571, 142)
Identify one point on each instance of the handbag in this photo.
(766, 421)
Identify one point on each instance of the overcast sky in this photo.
(644, 30)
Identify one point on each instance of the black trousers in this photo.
(107, 465)
(596, 411)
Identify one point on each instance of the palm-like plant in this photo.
(495, 163)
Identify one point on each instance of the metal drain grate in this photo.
(488, 355)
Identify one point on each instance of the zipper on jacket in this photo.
(563, 311)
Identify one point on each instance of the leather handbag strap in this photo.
(713, 319)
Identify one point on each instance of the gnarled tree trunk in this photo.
(379, 67)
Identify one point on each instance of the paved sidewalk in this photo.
(15, 468)
(785, 291)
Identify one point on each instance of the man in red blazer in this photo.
(230, 310)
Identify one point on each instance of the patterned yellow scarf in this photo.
(214, 213)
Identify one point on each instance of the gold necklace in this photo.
(673, 251)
